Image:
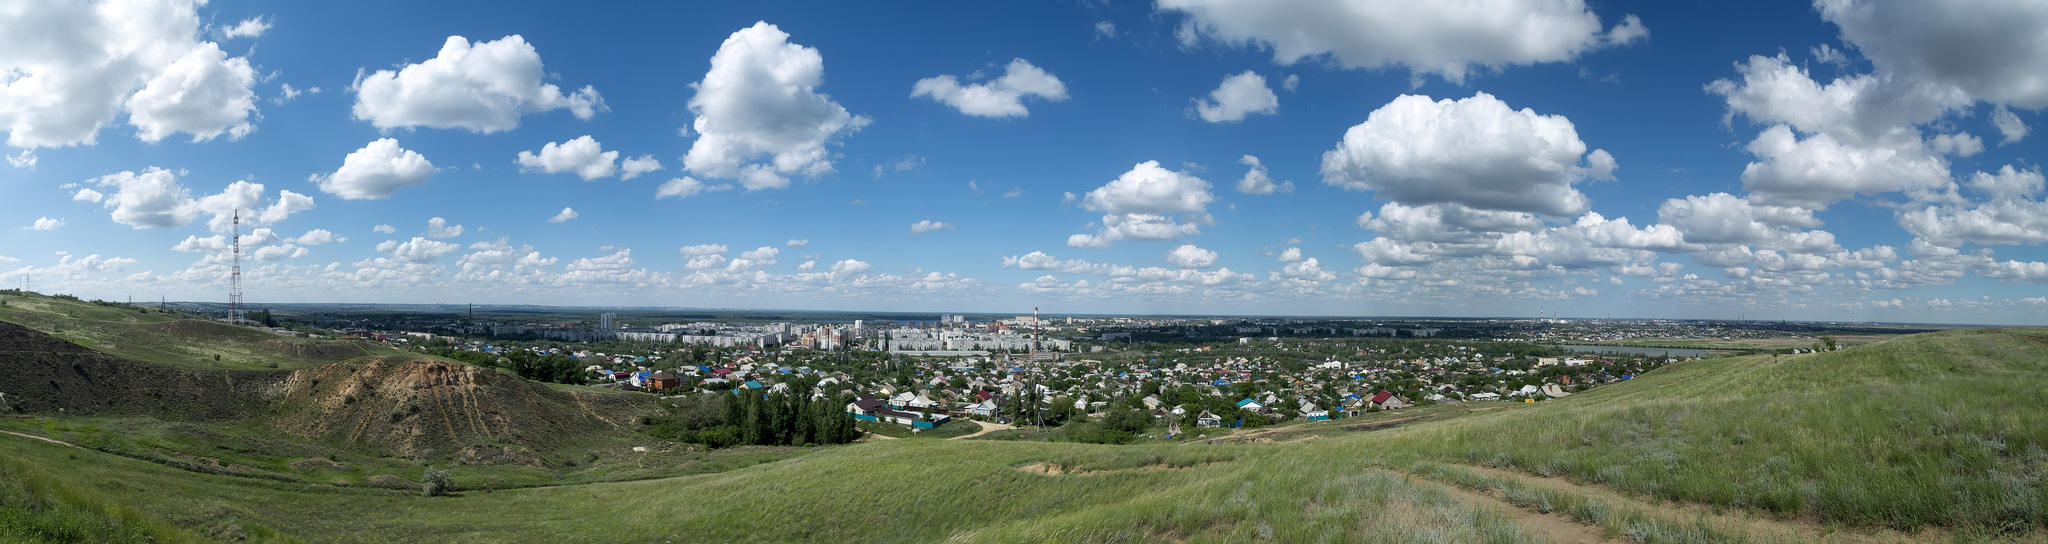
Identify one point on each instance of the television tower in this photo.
(235, 274)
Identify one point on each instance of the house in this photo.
(1250, 405)
(1313, 413)
(1208, 420)
(986, 408)
(1386, 400)
(663, 380)
(1486, 396)
(1553, 391)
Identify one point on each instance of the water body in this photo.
(1627, 350)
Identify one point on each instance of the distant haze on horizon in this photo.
(1870, 160)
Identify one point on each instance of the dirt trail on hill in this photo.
(45, 439)
(1754, 525)
(986, 427)
(1554, 527)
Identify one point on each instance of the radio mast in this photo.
(235, 274)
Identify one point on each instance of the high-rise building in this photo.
(608, 322)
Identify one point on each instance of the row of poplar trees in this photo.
(781, 419)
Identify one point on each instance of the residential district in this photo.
(1187, 374)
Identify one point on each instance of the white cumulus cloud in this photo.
(439, 228)
(72, 67)
(1189, 256)
(1448, 39)
(582, 155)
(685, 186)
(1239, 95)
(45, 223)
(375, 172)
(567, 214)
(760, 99)
(928, 225)
(1001, 97)
(1147, 203)
(1473, 151)
(248, 28)
(1257, 182)
(482, 87)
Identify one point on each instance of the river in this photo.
(1629, 350)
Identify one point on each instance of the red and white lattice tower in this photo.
(235, 314)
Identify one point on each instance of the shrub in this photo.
(436, 482)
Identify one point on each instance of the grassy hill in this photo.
(1938, 433)
(175, 339)
(1942, 429)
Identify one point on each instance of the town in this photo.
(1186, 376)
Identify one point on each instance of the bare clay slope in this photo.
(414, 407)
(396, 406)
(40, 373)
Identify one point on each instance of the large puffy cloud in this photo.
(1001, 97)
(1727, 219)
(154, 198)
(73, 66)
(1239, 95)
(203, 93)
(1817, 170)
(1443, 38)
(483, 87)
(582, 155)
(1147, 203)
(1189, 256)
(1993, 49)
(1474, 151)
(375, 172)
(760, 99)
(1857, 108)
(2008, 214)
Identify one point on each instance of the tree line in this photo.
(745, 417)
(526, 364)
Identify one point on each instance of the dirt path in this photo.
(1553, 527)
(50, 440)
(986, 427)
(1754, 525)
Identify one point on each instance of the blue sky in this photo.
(1843, 159)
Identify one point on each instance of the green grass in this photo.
(1941, 429)
(903, 490)
(175, 340)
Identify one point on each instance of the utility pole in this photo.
(235, 274)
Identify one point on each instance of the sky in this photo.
(1870, 160)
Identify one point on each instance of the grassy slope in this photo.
(1936, 429)
(1919, 430)
(164, 339)
(915, 490)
